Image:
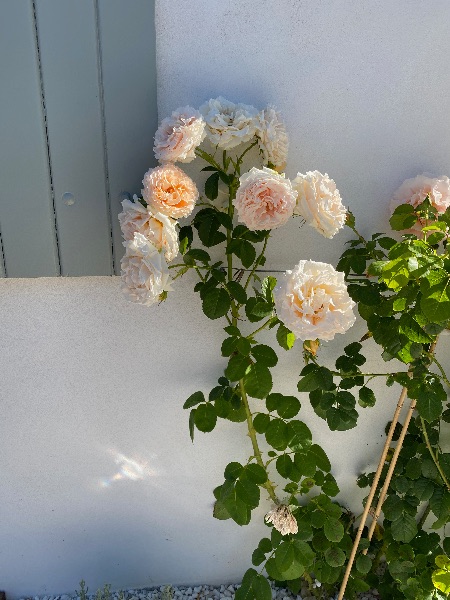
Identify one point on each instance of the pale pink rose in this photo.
(145, 277)
(168, 190)
(414, 191)
(282, 519)
(272, 138)
(179, 135)
(265, 199)
(159, 229)
(313, 302)
(229, 124)
(319, 203)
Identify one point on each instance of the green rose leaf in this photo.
(261, 422)
(285, 337)
(237, 291)
(194, 399)
(286, 406)
(205, 417)
(265, 355)
(363, 564)
(248, 492)
(284, 556)
(256, 473)
(334, 556)
(254, 587)
(233, 470)
(300, 436)
(258, 381)
(366, 397)
(216, 303)
(435, 302)
(237, 367)
(404, 528)
(277, 434)
(333, 530)
(212, 186)
(284, 465)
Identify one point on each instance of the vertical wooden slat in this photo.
(69, 55)
(26, 207)
(127, 36)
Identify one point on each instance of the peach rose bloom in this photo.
(179, 135)
(265, 199)
(168, 190)
(414, 191)
(319, 202)
(159, 229)
(313, 302)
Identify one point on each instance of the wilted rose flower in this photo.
(272, 137)
(319, 202)
(282, 519)
(168, 190)
(159, 229)
(265, 199)
(229, 124)
(313, 302)
(179, 135)
(414, 191)
(144, 272)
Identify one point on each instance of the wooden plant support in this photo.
(373, 489)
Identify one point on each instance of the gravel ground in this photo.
(201, 592)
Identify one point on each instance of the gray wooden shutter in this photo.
(78, 114)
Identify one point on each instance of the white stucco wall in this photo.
(99, 478)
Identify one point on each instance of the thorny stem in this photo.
(252, 434)
(433, 455)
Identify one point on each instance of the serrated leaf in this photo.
(334, 556)
(233, 470)
(284, 465)
(285, 337)
(265, 355)
(404, 528)
(212, 186)
(258, 381)
(254, 587)
(205, 417)
(248, 492)
(284, 556)
(363, 564)
(286, 406)
(277, 434)
(216, 303)
(237, 367)
(261, 422)
(256, 473)
(237, 291)
(333, 530)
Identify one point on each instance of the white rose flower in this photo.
(179, 135)
(282, 519)
(272, 137)
(229, 124)
(319, 202)
(144, 272)
(313, 302)
(159, 229)
(265, 199)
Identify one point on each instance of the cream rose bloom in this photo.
(179, 135)
(414, 191)
(168, 190)
(144, 272)
(319, 203)
(313, 302)
(282, 519)
(159, 229)
(229, 124)
(265, 199)
(272, 137)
